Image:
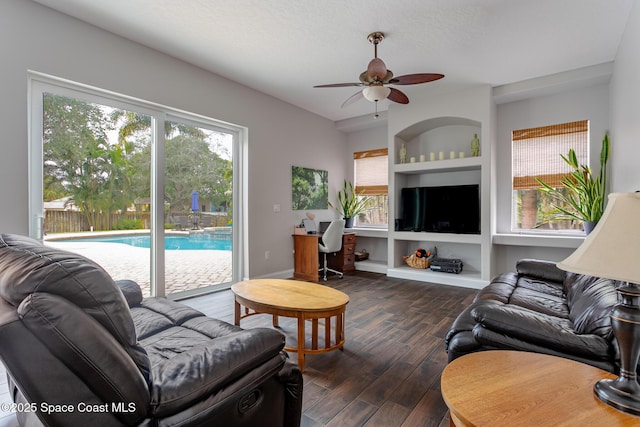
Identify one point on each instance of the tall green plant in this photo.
(350, 203)
(586, 197)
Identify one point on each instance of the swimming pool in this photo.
(171, 242)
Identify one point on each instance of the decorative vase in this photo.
(475, 146)
(403, 154)
(348, 222)
(589, 226)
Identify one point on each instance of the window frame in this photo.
(580, 126)
(372, 190)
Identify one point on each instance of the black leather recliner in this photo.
(541, 309)
(80, 349)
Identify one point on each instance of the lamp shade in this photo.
(376, 93)
(612, 249)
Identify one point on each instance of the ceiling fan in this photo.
(377, 76)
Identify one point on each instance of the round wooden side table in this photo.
(514, 388)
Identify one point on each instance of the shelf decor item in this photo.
(362, 255)
(421, 258)
(403, 154)
(350, 203)
(475, 146)
(586, 196)
(414, 262)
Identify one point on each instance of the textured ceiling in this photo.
(283, 48)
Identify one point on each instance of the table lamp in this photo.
(612, 251)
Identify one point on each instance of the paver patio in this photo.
(184, 269)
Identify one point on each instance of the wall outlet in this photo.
(267, 254)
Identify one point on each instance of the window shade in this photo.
(536, 153)
(371, 171)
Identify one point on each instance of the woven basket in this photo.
(415, 262)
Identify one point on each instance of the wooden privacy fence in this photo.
(74, 221)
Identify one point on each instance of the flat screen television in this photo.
(441, 209)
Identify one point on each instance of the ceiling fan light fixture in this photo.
(376, 76)
(376, 93)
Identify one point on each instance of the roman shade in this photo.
(371, 171)
(536, 153)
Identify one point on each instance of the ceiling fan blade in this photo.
(353, 98)
(396, 96)
(340, 85)
(413, 79)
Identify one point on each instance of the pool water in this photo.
(171, 242)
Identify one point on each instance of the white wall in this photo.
(371, 138)
(625, 109)
(506, 256)
(33, 37)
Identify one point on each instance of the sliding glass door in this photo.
(198, 207)
(95, 179)
(145, 192)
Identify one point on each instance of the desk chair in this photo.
(331, 243)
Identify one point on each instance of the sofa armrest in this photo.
(499, 290)
(131, 291)
(465, 322)
(539, 329)
(201, 371)
(545, 270)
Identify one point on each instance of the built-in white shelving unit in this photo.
(447, 165)
(441, 135)
(374, 240)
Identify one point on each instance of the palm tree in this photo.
(135, 123)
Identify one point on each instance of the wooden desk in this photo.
(307, 258)
(301, 300)
(513, 388)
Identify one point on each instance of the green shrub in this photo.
(128, 224)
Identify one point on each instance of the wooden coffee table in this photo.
(301, 300)
(500, 388)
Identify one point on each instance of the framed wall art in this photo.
(309, 188)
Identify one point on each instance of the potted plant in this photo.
(350, 203)
(586, 195)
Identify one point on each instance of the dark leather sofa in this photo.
(542, 309)
(80, 349)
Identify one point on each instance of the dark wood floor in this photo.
(389, 372)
